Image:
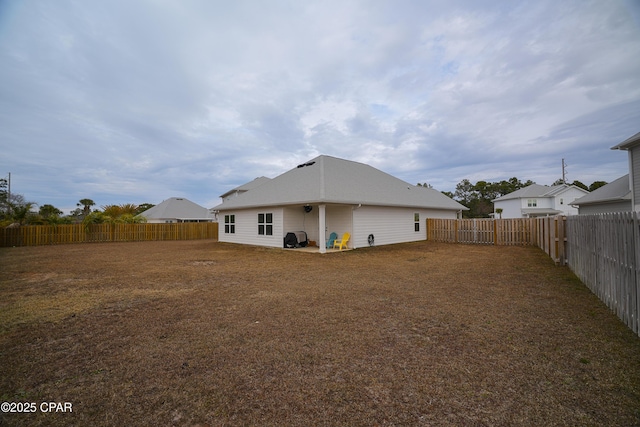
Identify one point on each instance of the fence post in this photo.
(495, 232)
(455, 231)
(635, 292)
(562, 239)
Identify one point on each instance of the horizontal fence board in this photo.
(37, 235)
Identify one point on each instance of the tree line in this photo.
(15, 209)
(479, 197)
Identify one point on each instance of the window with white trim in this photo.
(532, 203)
(265, 224)
(416, 222)
(229, 224)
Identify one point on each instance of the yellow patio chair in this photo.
(343, 242)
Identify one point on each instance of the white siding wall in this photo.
(159, 221)
(624, 206)
(567, 197)
(510, 208)
(247, 228)
(391, 225)
(541, 202)
(634, 176)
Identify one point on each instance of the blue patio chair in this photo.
(332, 239)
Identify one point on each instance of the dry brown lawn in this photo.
(205, 333)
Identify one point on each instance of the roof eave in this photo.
(220, 208)
(628, 143)
(626, 198)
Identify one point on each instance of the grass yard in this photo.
(204, 333)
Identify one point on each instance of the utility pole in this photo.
(564, 172)
(6, 196)
(9, 195)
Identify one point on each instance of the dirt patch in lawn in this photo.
(206, 333)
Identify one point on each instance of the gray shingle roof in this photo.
(327, 179)
(178, 208)
(617, 190)
(533, 190)
(248, 186)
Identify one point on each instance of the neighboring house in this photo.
(328, 194)
(539, 200)
(177, 209)
(632, 146)
(244, 188)
(613, 197)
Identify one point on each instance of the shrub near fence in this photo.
(35, 235)
(604, 252)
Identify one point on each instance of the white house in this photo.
(328, 194)
(613, 197)
(632, 146)
(177, 209)
(539, 200)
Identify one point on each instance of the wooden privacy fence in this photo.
(604, 252)
(34, 235)
(546, 233)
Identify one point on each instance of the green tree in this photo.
(479, 197)
(115, 214)
(597, 184)
(21, 212)
(580, 185)
(86, 206)
(130, 219)
(449, 194)
(47, 211)
(4, 197)
(464, 192)
(143, 207)
(96, 217)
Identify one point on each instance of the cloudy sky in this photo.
(134, 101)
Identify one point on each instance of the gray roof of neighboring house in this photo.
(628, 143)
(534, 190)
(248, 186)
(178, 208)
(327, 179)
(615, 191)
